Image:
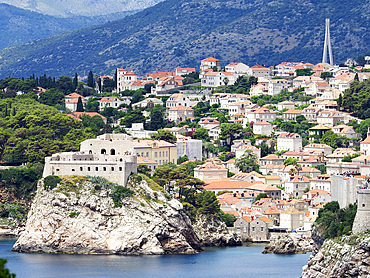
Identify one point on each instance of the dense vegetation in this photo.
(356, 99)
(165, 36)
(4, 272)
(334, 221)
(33, 131)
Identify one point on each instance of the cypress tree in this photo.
(75, 81)
(90, 80)
(13, 112)
(80, 106)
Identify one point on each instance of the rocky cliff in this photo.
(345, 257)
(93, 216)
(212, 231)
(288, 244)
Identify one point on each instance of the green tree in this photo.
(304, 72)
(65, 85)
(208, 203)
(165, 135)
(260, 196)
(52, 97)
(75, 81)
(229, 219)
(92, 105)
(230, 132)
(157, 118)
(201, 134)
(90, 80)
(80, 106)
(334, 140)
(248, 162)
(135, 116)
(290, 161)
(4, 272)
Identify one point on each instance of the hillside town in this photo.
(272, 143)
(290, 175)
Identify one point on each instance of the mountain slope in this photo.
(181, 32)
(18, 25)
(65, 8)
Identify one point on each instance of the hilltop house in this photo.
(210, 63)
(160, 151)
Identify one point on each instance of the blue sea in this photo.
(242, 261)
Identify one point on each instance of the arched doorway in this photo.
(112, 152)
(103, 151)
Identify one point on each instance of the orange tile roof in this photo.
(271, 211)
(232, 212)
(180, 108)
(211, 59)
(265, 219)
(73, 95)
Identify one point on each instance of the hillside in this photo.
(67, 8)
(182, 32)
(19, 26)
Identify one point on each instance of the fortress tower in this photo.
(362, 219)
(327, 44)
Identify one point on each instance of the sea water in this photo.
(241, 261)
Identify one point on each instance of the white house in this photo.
(210, 63)
(215, 79)
(263, 128)
(289, 141)
(114, 102)
(238, 68)
(124, 76)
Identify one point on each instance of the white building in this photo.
(289, 141)
(114, 102)
(263, 128)
(192, 148)
(111, 156)
(238, 68)
(216, 79)
(123, 77)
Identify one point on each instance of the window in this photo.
(253, 229)
(73, 170)
(88, 168)
(159, 154)
(96, 168)
(142, 154)
(104, 168)
(81, 169)
(112, 168)
(112, 152)
(103, 151)
(261, 229)
(155, 154)
(147, 154)
(120, 168)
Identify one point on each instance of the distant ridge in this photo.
(19, 26)
(182, 32)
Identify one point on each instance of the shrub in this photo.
(120, 192)
(74, 214)
(51, 182)
(229, 219)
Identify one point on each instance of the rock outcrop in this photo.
(288, 244)
(212, 231)
(80, 216)
(347, 257)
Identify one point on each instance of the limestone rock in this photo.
(288, 244)
(79, 216)
(212, 231)
(348, 257)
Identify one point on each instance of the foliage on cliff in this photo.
(356, 99)
(32, 131)
(166, 35)
(334, 222)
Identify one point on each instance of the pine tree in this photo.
(80, 106)
(75, 81)
(90, 80)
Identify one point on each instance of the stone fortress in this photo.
(111, 156)
(349, 190)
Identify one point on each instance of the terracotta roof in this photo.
(262, 123)
(289, 135)
(145, 160)
(247, 218)
(265, 219)
(271, 210)
(227, 184)
(272, 157)
(181, 107)
(73, 95)
(259, 67)
(293, 111)
(211, 59)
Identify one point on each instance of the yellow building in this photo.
(159, 151)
